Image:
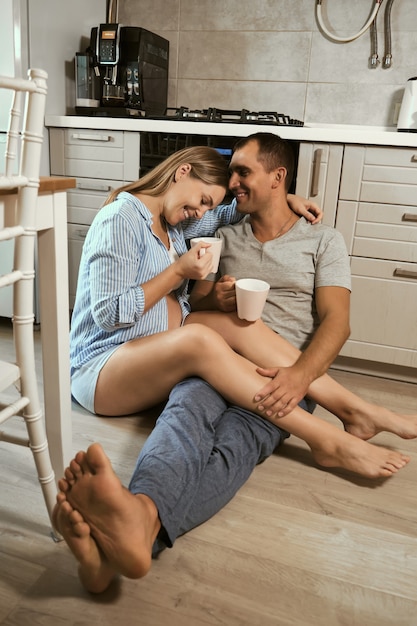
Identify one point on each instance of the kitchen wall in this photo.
(270, 55)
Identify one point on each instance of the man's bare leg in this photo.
(94, 571)
(123, 525)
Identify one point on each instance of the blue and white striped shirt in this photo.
(121, 253)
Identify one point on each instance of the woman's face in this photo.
(190, 197)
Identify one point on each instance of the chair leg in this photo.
(38, 443)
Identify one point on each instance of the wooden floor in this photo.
(297, 545)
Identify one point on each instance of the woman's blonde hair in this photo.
(206, 164)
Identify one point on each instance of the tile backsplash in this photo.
(267, 55)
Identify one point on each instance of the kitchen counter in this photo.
(329, 133)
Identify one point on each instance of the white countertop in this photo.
(329, 133)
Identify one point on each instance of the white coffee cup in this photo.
(215, 249)
(251, 295)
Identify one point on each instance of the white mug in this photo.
(251, 295)
(215, 249)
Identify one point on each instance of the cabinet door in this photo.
(318, 176)
(383, 312)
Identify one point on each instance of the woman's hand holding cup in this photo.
(194, 265)
(209, 244)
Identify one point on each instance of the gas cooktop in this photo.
(244, 116)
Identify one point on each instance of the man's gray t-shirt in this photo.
(295, 264)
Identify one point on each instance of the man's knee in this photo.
(196, 393)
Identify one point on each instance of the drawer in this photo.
(95, 154)
(384, 249)
(381, 231)
(391, 270)
(103, 139)
(389, 192)
(388, 214)
(379, 174)
(87, 198)
(401, 157)
(396, 240)
(380, 320)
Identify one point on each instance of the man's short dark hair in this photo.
(273, 152)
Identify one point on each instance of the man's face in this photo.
(249, 182)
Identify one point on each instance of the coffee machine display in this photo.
(131, 64)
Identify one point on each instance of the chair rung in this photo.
(15, 439)
(13, 182)
(12, 410)
(11, 278)
(11, 232)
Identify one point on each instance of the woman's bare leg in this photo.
(260, 344)
(142, 372)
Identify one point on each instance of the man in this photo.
(201, 450)
(307, 268)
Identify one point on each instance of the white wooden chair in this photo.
(19, 395)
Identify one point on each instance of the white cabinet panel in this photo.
(384, 310)
(87, 198)
(318, 175)
(377, 215)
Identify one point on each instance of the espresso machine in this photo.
(128, 67)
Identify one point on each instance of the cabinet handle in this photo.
(316, 172)
(91, 187)
(409, 217)
(91, 137)
(82, 234)
(405, 273)
(414, 158)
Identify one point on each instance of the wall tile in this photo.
(155, 15)
(244, 56)
(348, 63)
(352, 104)
(242, 15)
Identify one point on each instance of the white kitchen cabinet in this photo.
(318, 176)
(377, 214)
(101, 161)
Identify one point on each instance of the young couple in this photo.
(133, 339)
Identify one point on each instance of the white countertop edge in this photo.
(331, 133)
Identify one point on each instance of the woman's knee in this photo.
(198, 337)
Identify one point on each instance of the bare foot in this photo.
(370, 419)
(93, 569)
(349, 452)
(123, 525)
